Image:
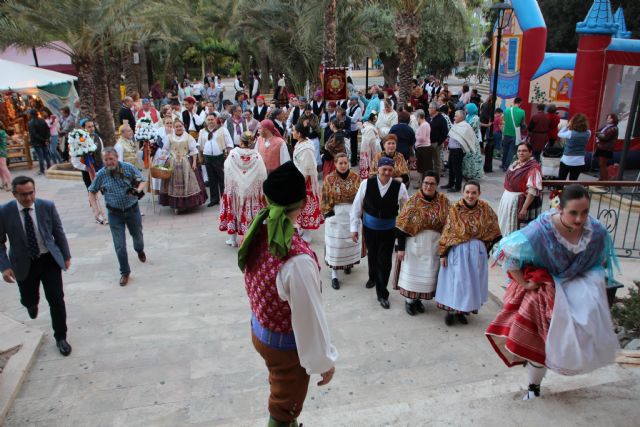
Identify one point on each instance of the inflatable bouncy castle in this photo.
(597, 80)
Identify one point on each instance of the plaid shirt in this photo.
(114, 185)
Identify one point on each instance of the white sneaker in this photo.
(232, 242)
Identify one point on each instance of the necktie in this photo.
(32, 242)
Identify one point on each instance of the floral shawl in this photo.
(463, 224)
(336, 190)
(420, 214)
(400, 166)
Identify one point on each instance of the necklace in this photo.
(571, 229)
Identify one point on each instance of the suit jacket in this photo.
(50, 228)
(127, 114)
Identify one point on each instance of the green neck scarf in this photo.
(280, 231)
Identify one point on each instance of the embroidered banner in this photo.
(335, 86)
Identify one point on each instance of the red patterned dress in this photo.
(304, 158)
(244, 173)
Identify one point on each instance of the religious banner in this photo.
(335, 84)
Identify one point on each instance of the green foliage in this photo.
(626, 312)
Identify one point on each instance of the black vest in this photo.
(381, 207)
(317, 107)
(260, 116)
(280, 128)
(296, 115)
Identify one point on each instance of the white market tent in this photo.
(19, 77)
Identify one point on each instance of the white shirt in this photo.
(256, 87)
(565, 133)
(197, 89)
(298, 283)
(34, 219)
(210, 146)
(355, 117)
(236, 86)
(120, 150)
(358, 202)
(195, 119)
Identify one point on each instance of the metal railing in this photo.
(616, 204)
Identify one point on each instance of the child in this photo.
(498, 124)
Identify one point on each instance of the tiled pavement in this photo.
(173, 348)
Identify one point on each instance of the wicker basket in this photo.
(158, 173)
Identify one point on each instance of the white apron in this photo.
(508, 212)
(340, 250)
(419, 270)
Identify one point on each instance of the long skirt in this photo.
(473, 164)
(510, 204)
(463, 286)
(185, 189)
(236, 214)
(578, 338)
(311, 217)
(418, 273)
(365, 165)
(340, 252)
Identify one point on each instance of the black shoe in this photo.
(33, 311)
(446, 187)
(409, 308)
(211, 204)
(347, 271)
(384, 303)
(454, 190)
(370, 284)
(417, 304)
(335, 284)
(448, 319)
(462, 318)
(64, 347)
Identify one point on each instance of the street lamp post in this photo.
(504, 20)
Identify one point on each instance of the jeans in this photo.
(497, 141)
(456, 155)
(42, 151)
(508, 151)
(132, 220)
(53, 150)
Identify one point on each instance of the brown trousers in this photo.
(288, 380)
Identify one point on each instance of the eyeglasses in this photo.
(27, 194)
(429, 184)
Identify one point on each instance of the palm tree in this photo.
(330, 18)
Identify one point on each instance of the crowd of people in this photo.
(281, 170)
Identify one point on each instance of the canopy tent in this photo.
(43, 57)
(55, 89)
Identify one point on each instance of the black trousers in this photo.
(215, 173)
(45, 269)
(572, 171)
(379, 255)
(354, 147)
(455, 167)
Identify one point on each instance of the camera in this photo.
(133, 191)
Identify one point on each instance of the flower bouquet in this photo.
(145, 133)
(82, 145)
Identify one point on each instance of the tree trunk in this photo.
(143, 72)
(390, 68)
(86, 87)
(104, 116)
(407, 34)
(263, 63)
(329, 52)
(113, 81)
(129, 69)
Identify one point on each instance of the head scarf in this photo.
(268, 125)
(285, 190)
(472, 110)
(385, 161)
(317, 93)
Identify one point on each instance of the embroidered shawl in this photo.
(336, 190)
(463, 224)
(400, 167)
(420, 214)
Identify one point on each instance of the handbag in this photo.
(517, 129)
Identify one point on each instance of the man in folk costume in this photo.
(354, 112)
(271, 146)
(126, 147)
(338, 191)
(325, 119)
(278, 117)
(148, 111)
(260, 109)
(236, 124)
(214, 142)
(193, 116)
(376, 207)
(244, 173)
(282, 280)
(317, 104)
(418, 230)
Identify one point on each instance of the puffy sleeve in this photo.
(193, 149)
(513, 252)
(298, 282)
(534, 181)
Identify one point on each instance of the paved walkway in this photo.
(173, 348)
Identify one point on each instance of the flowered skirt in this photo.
(311, 217)
(365, 165)
(235, 217)
(185, 189)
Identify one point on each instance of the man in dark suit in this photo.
(38, 253)
(126, 113)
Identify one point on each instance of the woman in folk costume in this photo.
(555, 313)
(473, 162)
(333, 146)
(162, 137)
(386, 119)
(338, 191)
(520, 201)
(304, 159)
(244, 173)
(400, 167)
(272, 148)
(126, 147)
(185, 189)
(418, 230)
(369, 146)
(468, 235)
(282, 280)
